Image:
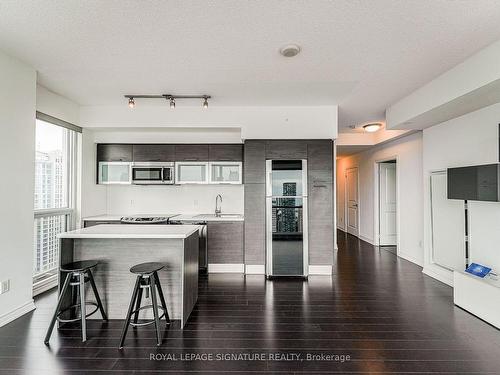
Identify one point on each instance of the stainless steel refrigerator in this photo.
(286, 218)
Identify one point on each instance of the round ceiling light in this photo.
(373, 127)
(290, 50)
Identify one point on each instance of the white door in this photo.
(387, 204)
(352, 201)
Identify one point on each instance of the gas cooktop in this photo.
(147, 219)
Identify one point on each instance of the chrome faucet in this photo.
(218, 205)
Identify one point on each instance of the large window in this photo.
(55, 161)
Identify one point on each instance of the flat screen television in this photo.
(475, 183)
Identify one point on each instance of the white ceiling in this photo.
(362, 55)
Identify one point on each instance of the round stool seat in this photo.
(79, 266)
(146, 268)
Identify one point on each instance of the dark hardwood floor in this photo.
(379, 310)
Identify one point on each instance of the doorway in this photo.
(387, 197)
(352, 215)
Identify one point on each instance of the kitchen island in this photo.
(119, 247)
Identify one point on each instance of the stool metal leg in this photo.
(96, 294)
(129, 313)
(58, 307)
(83, 308)
(155, 309)
(138, 305)
(162, 298)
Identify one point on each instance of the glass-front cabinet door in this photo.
(115, 173)
(287, 236)
(191, 172)
(225, 172)
(286, 211)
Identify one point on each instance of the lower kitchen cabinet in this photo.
(225, 242)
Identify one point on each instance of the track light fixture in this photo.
(169, 97)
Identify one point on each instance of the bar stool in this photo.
(78, 274)
(147, 278)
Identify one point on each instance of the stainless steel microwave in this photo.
(154, 173)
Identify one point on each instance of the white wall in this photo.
(408, 152)
(17, 152)
(93, 198)
(467, 140)
(57, 106)
(255, 122)
(184, 199)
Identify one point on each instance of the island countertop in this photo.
(133, 231)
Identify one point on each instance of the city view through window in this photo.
(52, 170)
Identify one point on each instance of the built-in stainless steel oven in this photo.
(153, 173)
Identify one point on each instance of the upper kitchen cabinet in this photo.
(254, 168)
(286, 150)
(320, 161)
(191, 152)
(225, 152)
(114, 152)
(153, 153)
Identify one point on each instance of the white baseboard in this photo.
(226, 268)
(44, 285)
(17, 312)
(366, 239)
(320, 270)
(255, 269)
(439, 273)
(410, 259)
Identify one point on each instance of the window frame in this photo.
(42, 283)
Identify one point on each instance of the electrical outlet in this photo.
(5, 286)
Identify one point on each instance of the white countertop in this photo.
(209, 217)
(103, 218)
(182, 217)
(133, 231)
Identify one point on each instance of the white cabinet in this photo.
(191, 172)
(114, 173)
(225, 172)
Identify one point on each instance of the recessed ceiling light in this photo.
(290, 50)
(131, 102)
(373, 127)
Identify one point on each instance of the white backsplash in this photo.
(182, 199)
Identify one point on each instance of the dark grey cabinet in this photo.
(191, 152)
(225, 152)
(254, 166)
(320, 161)
(153, 152)
(114, 152)
(255, 224)
(225, 242)
(320, 223)
(286, 149)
